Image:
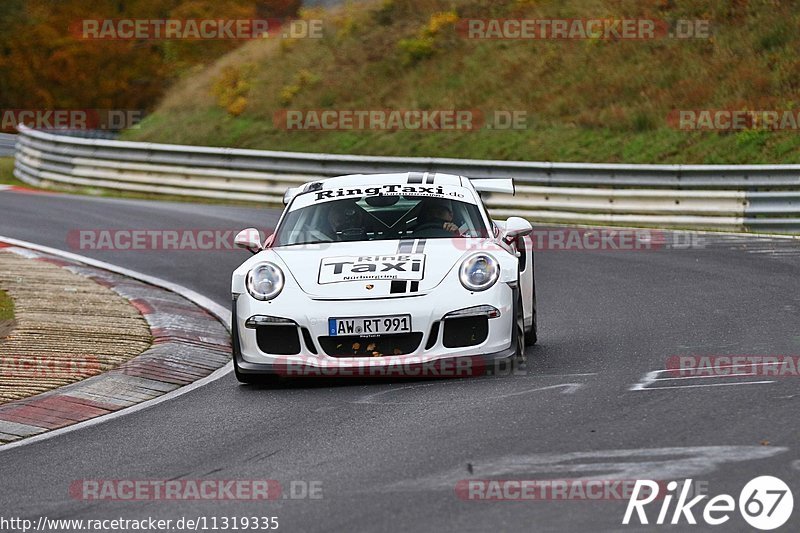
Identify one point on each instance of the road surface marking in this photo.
(569, 388)
(639, 463)
(653, 377)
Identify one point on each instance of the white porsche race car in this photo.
(384, 275)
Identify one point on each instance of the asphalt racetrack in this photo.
(388, 456)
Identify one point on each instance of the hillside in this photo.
(603, 100)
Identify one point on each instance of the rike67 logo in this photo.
(765, 503)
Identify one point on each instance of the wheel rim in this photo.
(520, 336)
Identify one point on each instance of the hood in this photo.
(374, 269)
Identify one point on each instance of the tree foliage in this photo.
(46, 64)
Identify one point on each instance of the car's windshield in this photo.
(381, 217)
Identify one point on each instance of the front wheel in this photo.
(520, 336)
(532, 334)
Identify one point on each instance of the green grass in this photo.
(553, 143)
(7, 172)
(593, 101)
(6, 307)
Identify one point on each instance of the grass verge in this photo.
(7, 172)
(6, 315)
(6, 307)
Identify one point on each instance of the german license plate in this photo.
(372, 325)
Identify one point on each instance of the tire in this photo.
(519, 358)
(532, 334)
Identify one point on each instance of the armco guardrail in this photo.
(749, 198)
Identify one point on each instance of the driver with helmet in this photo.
(344, 219)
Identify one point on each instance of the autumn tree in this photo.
(46, 63)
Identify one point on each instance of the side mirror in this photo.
(516, 227)
(249, 239)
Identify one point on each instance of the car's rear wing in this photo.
(290, 193)
(504, 185)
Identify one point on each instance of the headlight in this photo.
(479, 272)
(264, 281)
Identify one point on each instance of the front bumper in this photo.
(431, 358)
